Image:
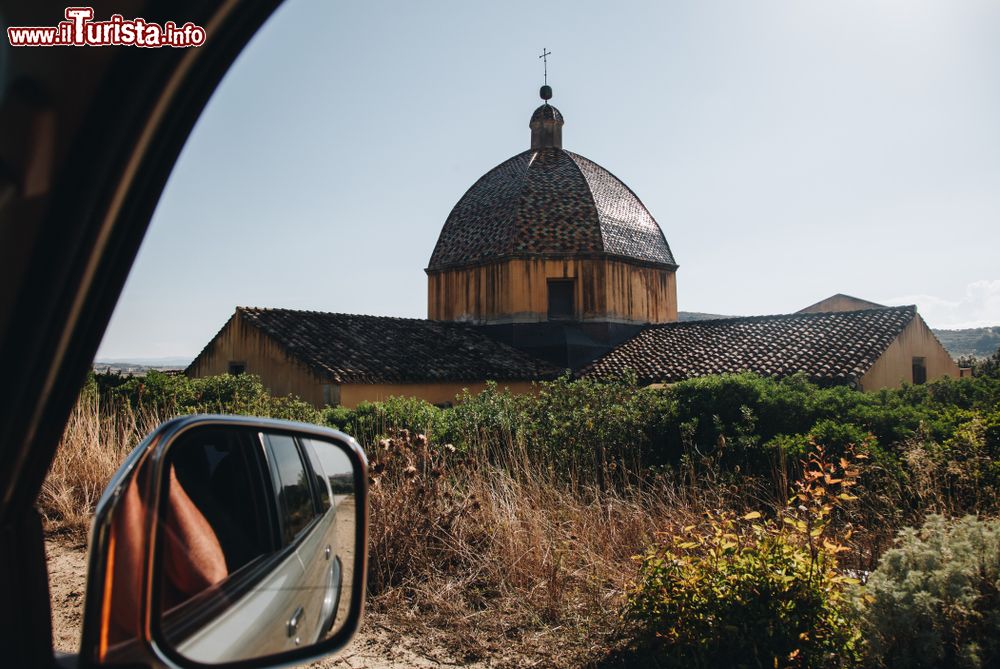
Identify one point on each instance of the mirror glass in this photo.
(255, 551)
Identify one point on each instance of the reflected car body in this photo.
(295, 602)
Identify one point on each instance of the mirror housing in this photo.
(228, 539)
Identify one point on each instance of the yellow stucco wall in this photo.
(895, 366)
(839, 303)
(281, 374)
(516, 291)
(436, 393)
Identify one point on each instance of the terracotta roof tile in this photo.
(378, 349)
(831, 348)
(549, 202)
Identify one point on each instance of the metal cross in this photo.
(545, 62)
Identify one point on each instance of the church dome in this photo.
(549, 202)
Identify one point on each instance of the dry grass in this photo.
(502, 560)
(96, 440)
(495, 559)
(486, 554)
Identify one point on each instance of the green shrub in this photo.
(991, 435)
(337, 417)
(154, 391)
(291, 408)
(587, 430)
(934, 600)
(740, 592)
(732, 426)
(176, 393)
(489, 420)
(371, 420)
(838, 437)
(740, 601)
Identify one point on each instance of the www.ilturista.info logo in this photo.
(79, 29)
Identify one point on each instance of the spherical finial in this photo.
(545, 92)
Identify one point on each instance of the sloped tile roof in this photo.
(831, 348)
(376, 349)
(549, 202)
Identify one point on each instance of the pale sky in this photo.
(789, 150)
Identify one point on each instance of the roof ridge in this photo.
(332, 313)
(576, 157)
(769, 317)
(431, 263)
(521, 182)
(593, 198)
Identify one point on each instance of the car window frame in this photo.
(315, 467)
(182, 620)
(272, 467)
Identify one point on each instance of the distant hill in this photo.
(980, 342)
(140, 366)
(168, 361)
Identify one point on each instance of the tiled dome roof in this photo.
(549, 202)
(547, 112)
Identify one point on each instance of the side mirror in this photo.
(224, 539)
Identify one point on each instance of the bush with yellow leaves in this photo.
(745, 591)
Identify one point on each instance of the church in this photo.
(548, 264)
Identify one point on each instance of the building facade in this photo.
(550, 263)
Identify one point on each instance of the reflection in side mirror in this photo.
(229, 539)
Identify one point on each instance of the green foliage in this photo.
(587, 429)
(291, 408)
(933, 447)
(740, 592)
(934, 600)
(750, 600)
(338, 417)
(991, 434)
(837, 437)
(371, 420)
(584, 430)
(489, 420)
(990, 367)
(242, 394)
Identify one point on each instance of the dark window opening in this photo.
(919, 371)
(237, 368)
(561, 298)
